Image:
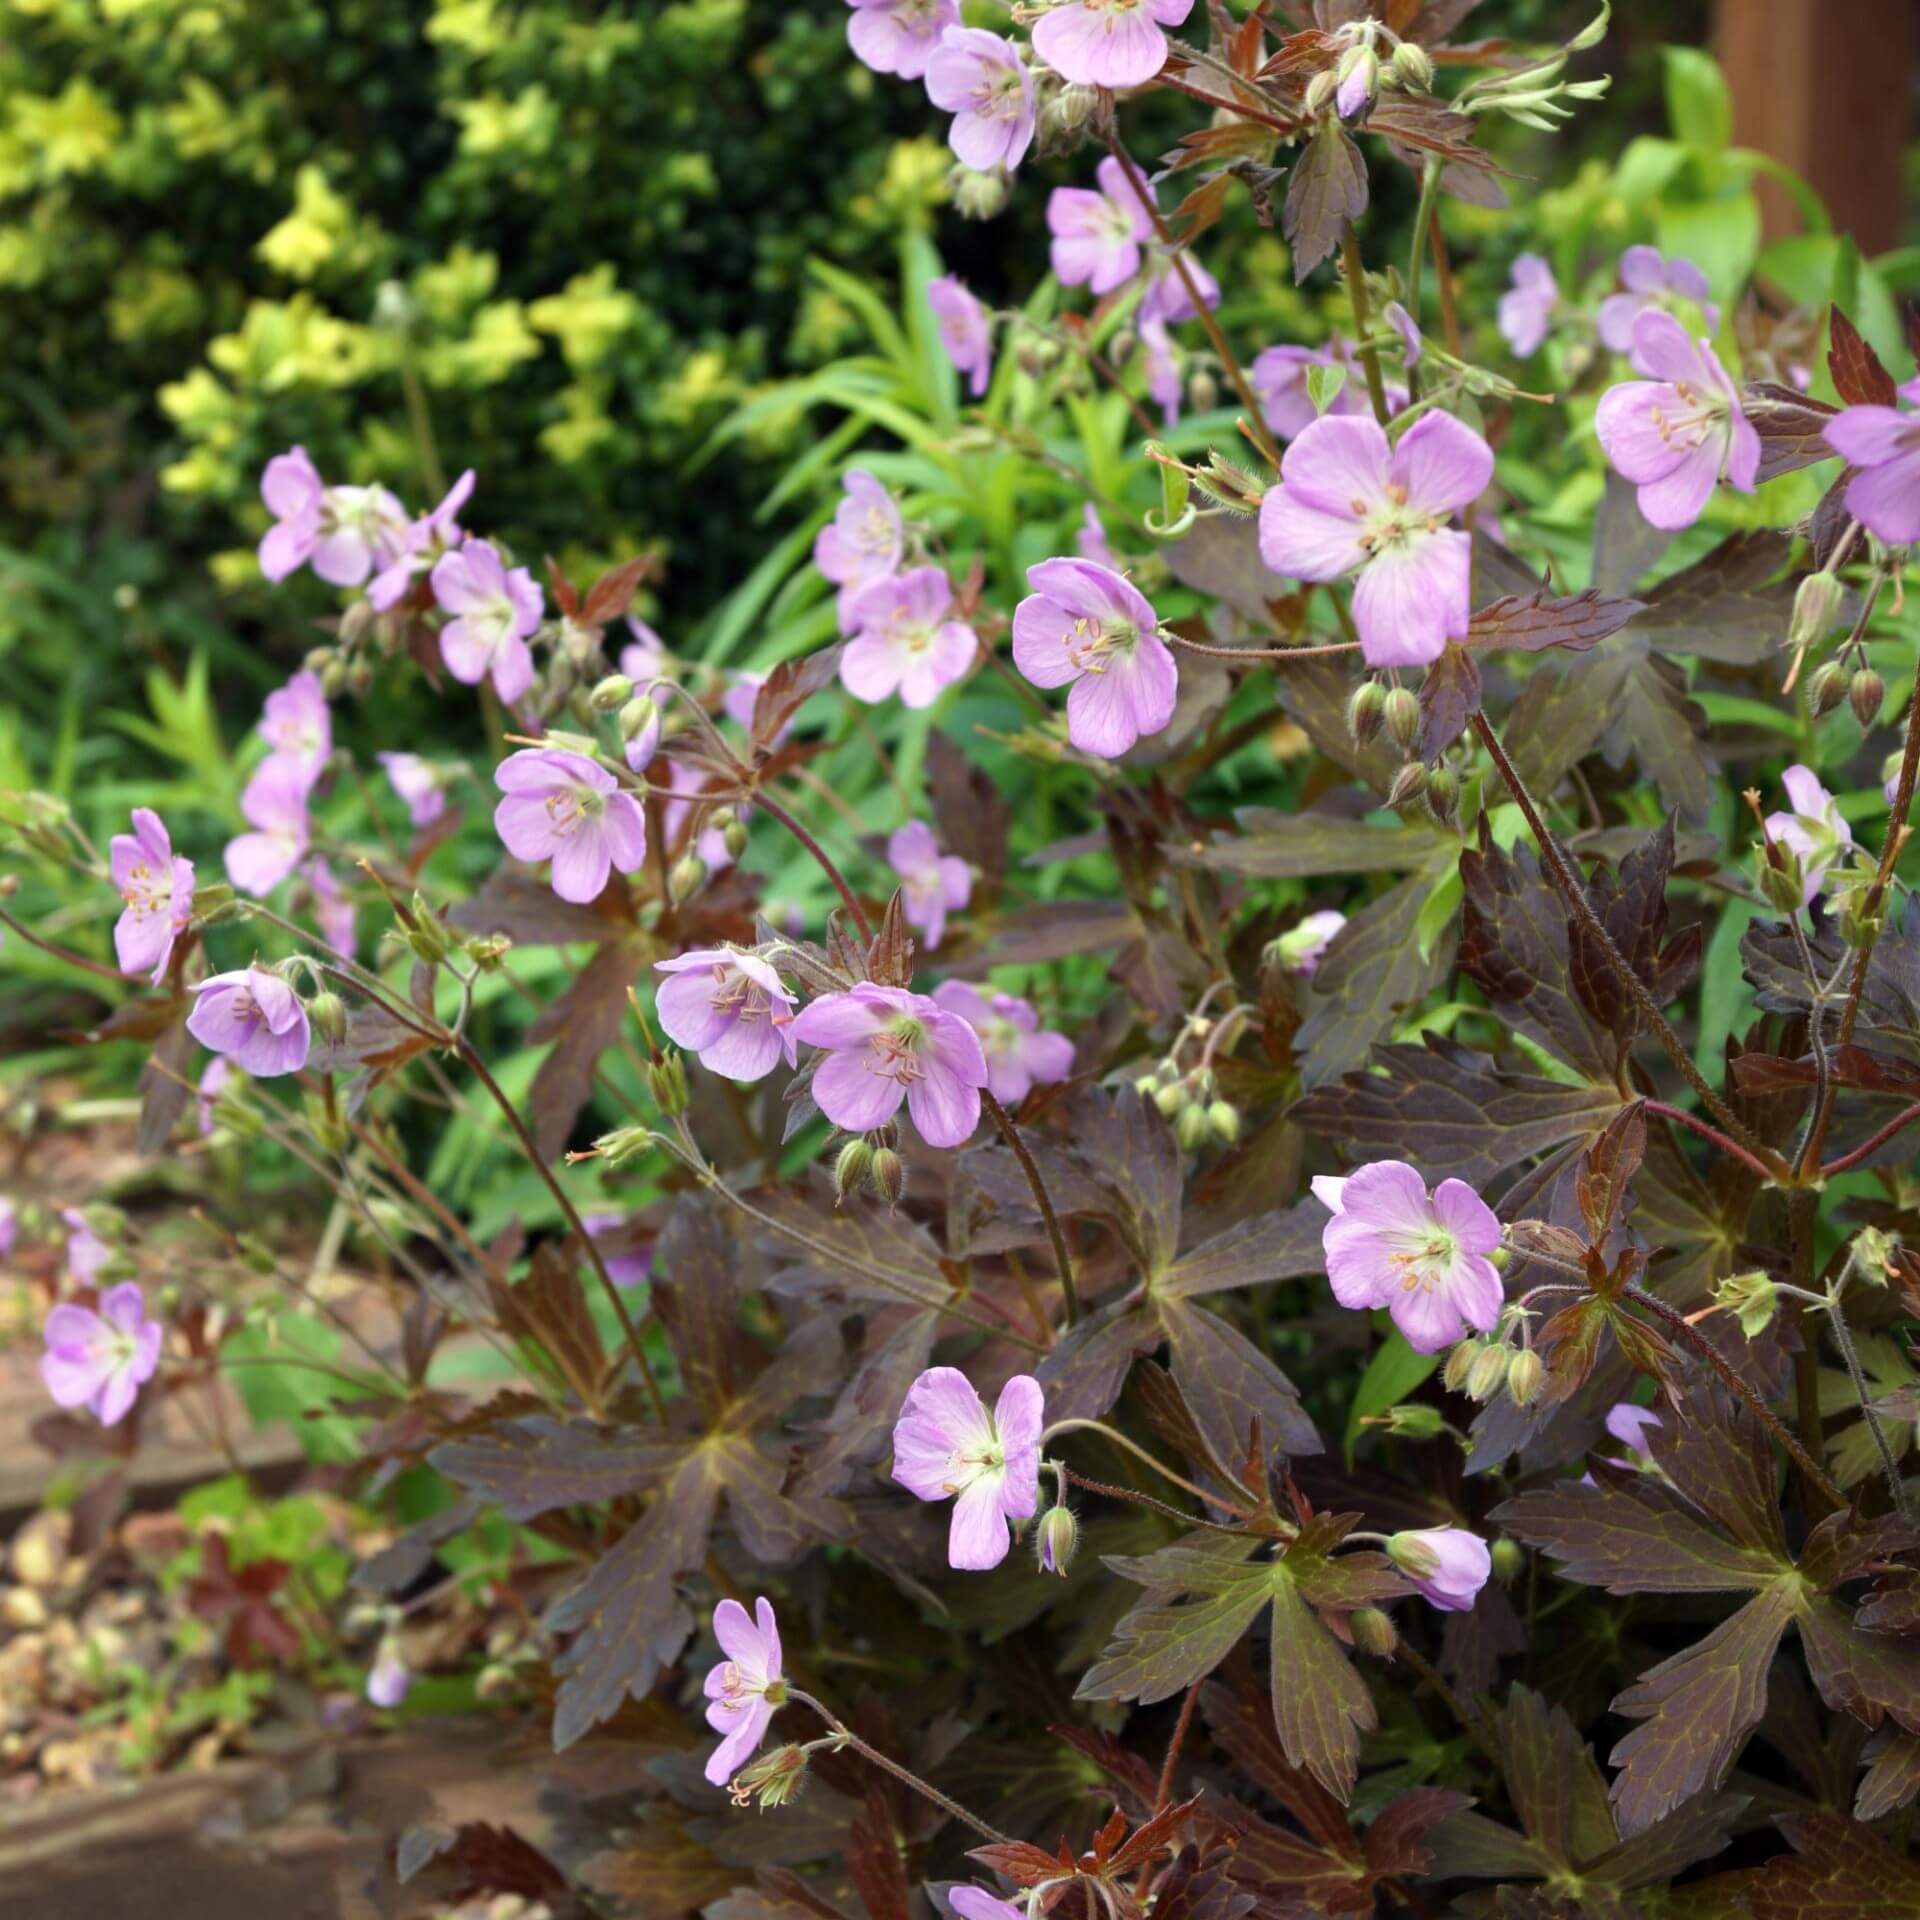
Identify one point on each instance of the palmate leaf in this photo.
(1838, 1870)
(1328, 189)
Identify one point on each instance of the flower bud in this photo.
(1453, 1376)
(496, 1682)
(1413, 66)
(889, 1175)
(1827, 688)
(333, 678)
(1524, 1377)
(360, 679)
(1443, 794)
(1223, 1122)
(1409, 785)
(1170, 1097)
(640, 729)
(1751, 1298)
(318, 660)
(852, 1169)
(1203, 391)
(426, 936)
(979, 196)
(1412, 1555)
(327, 1014)
(1508, 1557)
(1069, 109)
(1414, 1420)
(1366, 709)
(1865, 692)
(689, 875)
(1191, 1129)
(1057, 1540)
(1320, 91)
(734, 835)
(1373, 1632)
(1816, 610)
(1146, 1086)
(1489, 1369)
(611, 694)
(1403, 717)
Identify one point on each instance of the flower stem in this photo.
(1843, 1339)
(1870, 1145)
(776, 811)
(1062, 1258)
(1140, 1453)
(1681, 1117)
(1417, 256)
(1355, 272)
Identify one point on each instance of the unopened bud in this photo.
(1827, 688)
(1223, 1122)
(611, 694)
(667, 1082)
(979, 196)
(1403, 717)
(1069, 109)
(1409, 785)
(496, 1682)
(889, 1175)
(1414, 1556)
(1443, 794)
(1508, 1557)
(1191, 1129)
(318, 660)
(640, 729)
(360, 679)
(734, 835)
(1413, 66)
(1366, 709)
(852, 1169)
(1453, 1376)
(1056, 1541)
(1170, 1097)
(1751, 1298)
(1203, 391)
(1373, 1632)
(1816, 610)
(1146, 1086)
(1524, 1377)
(1320, 90)
(333, 678)
(327, 1015)
(689, 875)
(426, 936)
(1865, 692)
(1488, 1370)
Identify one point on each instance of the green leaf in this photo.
(1393, 1373)
(1163, 1644)
(1698, 104)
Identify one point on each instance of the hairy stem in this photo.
(1873, 1144)
(776, 811)
(1140, 1453)
(1681, 1117)
(1843, 1339)
(1354, 270)
(1417, 255)
(1062, 1258)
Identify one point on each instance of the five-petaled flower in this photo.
(976, 1903)
(494, 609)
(932, 883)
(947, 1446)
(1815, 830)
(1086, 624)
(906, 639)
(1677, 432)
(1527, 307)
(1279, 380)
(297, 726)
(1884, 443)
(568, 809)
(344, 531)
(1448, 1564)
(1421, 1255)
(862, 543)
(418, 783)
(730, 1008)
(1107, 43)
(1651, 280)
(1350, 502)
(1097, 236)
(1020, 1056)
(421, 546)
(744, 1690)
(899, 36)
(156, 889)
(274, 802)
(255, 1019)
(885, 1045)
(966, 332)
(86, 1253)
(980, 79)
(100, 1359)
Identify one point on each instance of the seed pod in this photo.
(1443, 794)
(1373, 1632)
(1415, 1420)
(1525, 1377)
(667, 1082)
(1453, 1376)
(889, 1175)
(1366, 709)
(1403, 717)
(1409, 786)
(1865, 692)
(1489, 1369)
(1827, 688)
(852, 1169)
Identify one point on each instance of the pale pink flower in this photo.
(1086, 625)
(947, 1446)
(255, 1019)
(965, 330)
(1164, 385)
(710, 843)
(899, 36)
(206, 1093)
(101, 1359)
(1279, 380)
(1097, 236)
(742, 696)
(417, 783)
(885, 1045)
(863, 541)
(422, 545)
(1167, 298)
(1677, 433)
(293, 490)
(1815, 830)
(729, 1007)
(1350, 502)
(645, 656)
(1107, 43)
(976, 1903)
(1412, 345)
(9, 1226)
(332, 909)
(744, 1690)
(1019, 1055)
(494, 609)
(86, 1252)
(389, 1679)
(343, 531)
(1302, 947)
(156, 889)
(980, 79)
(565, 808)
(1652, 282)
(934, 883)
(1422, 1256)
(1527, 307)
(1884, 443)
(906, 640)
(1448, 1564)
(297, 725)
(1091, 541)
(623, 1269)
(1630, 1423)
(274, 802)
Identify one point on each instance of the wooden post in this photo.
(1825, 87)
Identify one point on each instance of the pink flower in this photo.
(730, 1008)
(965, 330)
(494, 609)
(1448, 1564)
(9, 1226)
(744, 1690)
(899, 36)
(1301, 948)
(1815, 830)
(742, 696)
(156, 887)
(1091, 541)
(1085, 624)
(980, 79)
(1675, 434)
(863, 541)
(564, 808)
(1167, 299)
(343, 531)
(417, 783)
(1884, 496)
(1164, 385)
(976, 1903)
(1355, 93)
(1019, 1055)
(1279, 379)
(206, 1093)
(389, 1679)
(293, 490)
(1527, 307)
(331, 908)
(422, 545)
(101, 1360)
(623, 1269)
(297, 725)
(885, 1045)
(1107, 43)
(645, 656)
(275, 804)
(946, 1445)
(86, 1252)
(904, 641)
(934, 883)
(1412, 346)
(1650, 279)
(255, 1019)
(1629, 1424)
(1097, 236)
(1421, 1256)
(710, 843)
(1349, 502)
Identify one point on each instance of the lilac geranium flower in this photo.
(297, 725)
(1629, 1423)
(1164, 386)
(1651, 279)
(1421, 1255)
(1815, 830)
(730, 1008)
(863, 541)
(1412, 345)
(980, 79)
(494, 609)
(1107, 43)
(710, 843)
(275, 805)
(905, 640)
(206, 1092)
(1279, 379)
(1097, 235)
(417, 783)
(343, 531)
(1349, 502)
(1167, 299)
(976, 1903)
(331, 907)
(623, 1269)
(1527, 307)
(934, 883)
(744, 1690)
(255, 1019)
(645, 656)
(899, 36)
(432, 535)
(1085, 624)
(1091, 542)
(101, 1359)
(885, 1045)
(1019, 1055)
(1448, 1564)
(86, 1252)
(1302, 947)
(389, 1679)
(947, 1446)
(1676, 433)
(965, 330)
(156, 889)
(564, 808)
(9, 1225)
(1884, 443)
